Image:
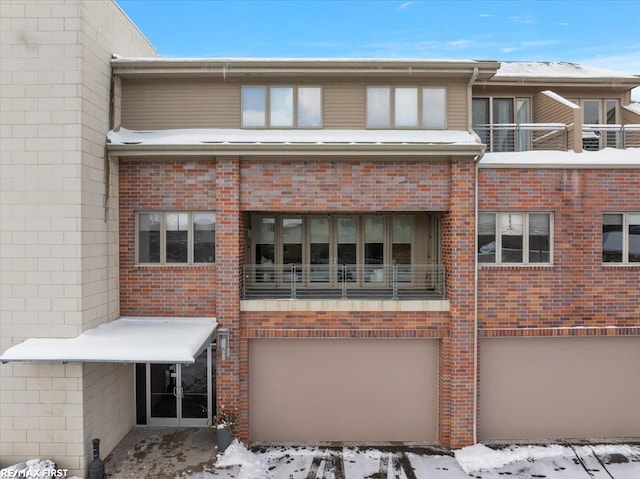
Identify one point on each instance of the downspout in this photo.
(472, 80)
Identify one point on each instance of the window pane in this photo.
(177, 237)
(406, 107)
(309, 107)
(539, 238)
(634, 238)
(434, 108)
(204, 237)
(503, 140)
(292, 240)
(612, 238)
(254, 102)
(378, 107)
(511, 231)
(149, 237)
(610, 119)
(319, 249)
(281, 106)
(486, 238)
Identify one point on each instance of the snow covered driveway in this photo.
(477, 462)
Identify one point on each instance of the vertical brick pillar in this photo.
(229, 270)
(457, 351)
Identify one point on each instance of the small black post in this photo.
(96, 469)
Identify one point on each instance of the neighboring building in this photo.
(58, 224)
(375, 274)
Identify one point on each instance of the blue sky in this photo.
(603, 34)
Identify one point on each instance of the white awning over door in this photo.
(124, 340)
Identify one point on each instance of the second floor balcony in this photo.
(515, 137)
(345, 281)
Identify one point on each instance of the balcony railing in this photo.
(508, 137)
(346, 281)
(597, 137)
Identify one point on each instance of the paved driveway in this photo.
(553, 462)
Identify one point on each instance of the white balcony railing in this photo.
(508, 137)
(346, 281)
(596, 137)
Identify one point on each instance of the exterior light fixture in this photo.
(223, 343)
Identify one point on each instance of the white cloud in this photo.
(539, 43)
(485, 15)
(460, 43)
(527, 20)
(404, 6)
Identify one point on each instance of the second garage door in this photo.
(365, 390)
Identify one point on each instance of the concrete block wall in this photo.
(58, 255)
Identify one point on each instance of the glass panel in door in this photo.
(503, 139)
(291, 248)
(374, 249)
(164, 406)
(481, 119)
(523, 142)
(319, 250)
(194, 398)
(347, 249)
(611, 107)
(401, 242)
(265, 250)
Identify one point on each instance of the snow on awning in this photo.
(125, 340)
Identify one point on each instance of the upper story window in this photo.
(621, 238)
(491, 117)
(406, 107)
(514, 238)
(281, 107)
(176, 237)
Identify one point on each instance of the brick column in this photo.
(457, 351)
(229, 270)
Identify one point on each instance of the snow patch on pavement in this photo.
(251, 466)
(481, 457)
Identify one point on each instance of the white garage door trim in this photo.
(360, 390)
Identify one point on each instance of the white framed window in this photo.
(406, 107)
(621, 237)
(515, 238)
(281, 106)
(175, 237)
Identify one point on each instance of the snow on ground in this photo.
(478, 462)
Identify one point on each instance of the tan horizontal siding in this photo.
(344, 105)
(457, 105)
(549, 110)
(160, 104)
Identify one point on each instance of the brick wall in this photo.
(164, 186)
(577, 290)
(355, 185)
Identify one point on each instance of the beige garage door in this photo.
(546, 388)
(308, 390)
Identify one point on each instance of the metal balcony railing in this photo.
(596, 137)
(508, 137)
(346, 281)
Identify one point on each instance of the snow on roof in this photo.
(633, 107)
(289, 137)
(127, 340)
(115, 58)
(557, 70)
(602, 159)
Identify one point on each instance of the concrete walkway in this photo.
(162, 453)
